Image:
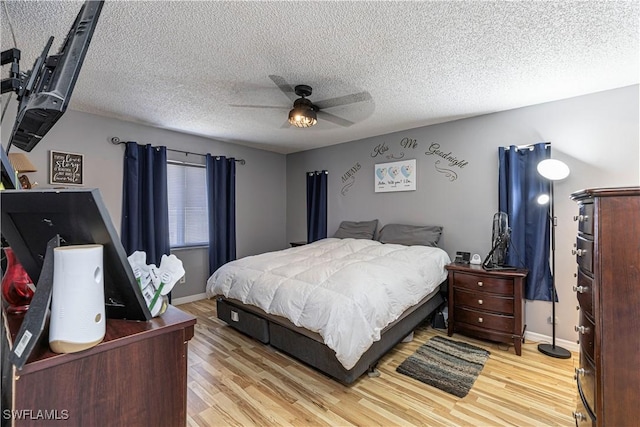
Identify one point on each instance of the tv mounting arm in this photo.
(13, 83)
(16, 81)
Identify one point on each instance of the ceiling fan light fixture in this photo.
(302, 117)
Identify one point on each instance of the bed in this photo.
(338, 304)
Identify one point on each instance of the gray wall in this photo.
(260, 209)
(596, 135)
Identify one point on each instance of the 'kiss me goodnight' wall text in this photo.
(447, 162)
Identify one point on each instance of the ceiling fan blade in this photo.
(284, 87)
(259, 106)
(334, 119)
(343, 100)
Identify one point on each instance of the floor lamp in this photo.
(553, 170)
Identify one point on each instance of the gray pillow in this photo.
(357, 230)
(402, 234)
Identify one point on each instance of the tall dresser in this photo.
(607, 251)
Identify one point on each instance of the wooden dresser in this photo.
(608, 290)
(487, 304)
(137, 376)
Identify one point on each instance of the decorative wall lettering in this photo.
(395, 176)
(348, 179)
(453, 161)
(379, 150)
(406, 143)
(66, 168)
(348, 185)
(447, 172)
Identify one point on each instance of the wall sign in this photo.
(66, 168)
(395, 176)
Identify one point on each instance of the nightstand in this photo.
(487, 304)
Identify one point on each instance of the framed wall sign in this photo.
(66, 168)
(395, 176)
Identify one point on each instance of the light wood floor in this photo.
(234, 380)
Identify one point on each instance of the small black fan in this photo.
(500, 239)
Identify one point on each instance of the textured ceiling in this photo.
(188, 65)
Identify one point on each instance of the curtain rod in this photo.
(116, 141)
(528, 146)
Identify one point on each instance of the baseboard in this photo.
(188, 298)
(540, 338)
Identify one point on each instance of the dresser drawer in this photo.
(496, 322)
(582, 416)
(585, 218)
(586, 378)
(584, 293)
(496, 285)
(584, 253)
(483, 301)
(586, 333)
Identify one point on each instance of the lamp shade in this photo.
(303, 114)
(21, 163)
(553, 169)
(302, 117)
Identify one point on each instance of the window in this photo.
(187, 193)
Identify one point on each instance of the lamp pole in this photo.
(552, 349)
(553, 170)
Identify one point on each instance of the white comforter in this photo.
(347, 290)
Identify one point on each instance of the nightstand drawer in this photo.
(484, 301)
(476, 282)
(496, 322)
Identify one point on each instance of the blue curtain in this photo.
(520, 184)
(316, 205)
(145, 206)
(221, 198)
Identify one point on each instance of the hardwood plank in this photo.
(235, 380)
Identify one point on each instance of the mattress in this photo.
(345, 290)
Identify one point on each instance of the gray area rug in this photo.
(451, 366)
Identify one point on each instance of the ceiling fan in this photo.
(305, 113)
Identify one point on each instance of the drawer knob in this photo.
(480, 284)
(479, 319)
(582, 329)
(579, 252)
(579, 416)
(580, 289)
(579, 373)
(480, 301)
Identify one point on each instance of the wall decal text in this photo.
(409, 143)
(452, 160)
(379, 150)
(406, 143)
(349, 178)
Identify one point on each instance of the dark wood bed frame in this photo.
(309, 347)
